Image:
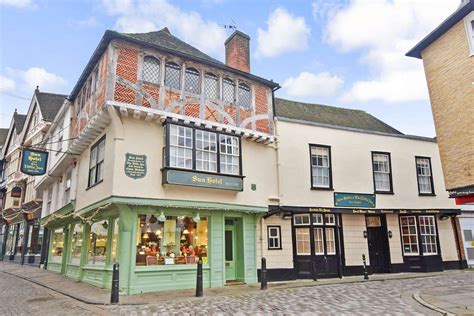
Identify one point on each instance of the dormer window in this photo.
(151, 70)
(228, 90)
(173, 75)
(192, 82)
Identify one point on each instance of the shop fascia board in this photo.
(159, 116)
(177, 204)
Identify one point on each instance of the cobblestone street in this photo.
(454, 292)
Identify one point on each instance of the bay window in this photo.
(382, 170)
(201, 150)
(424, 176)
(171, 240)
(321, 177)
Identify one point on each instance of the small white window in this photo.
(229, 154)
(181, 147)
(274, 239)
(206, 151)
(301, 219)
(317, 219)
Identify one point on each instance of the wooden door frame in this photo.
(383, 223)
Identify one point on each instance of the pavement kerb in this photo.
(254, 288)
(417, 297)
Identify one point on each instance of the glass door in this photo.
(230, 269)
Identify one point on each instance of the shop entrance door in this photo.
(230, 260)
(379, 255)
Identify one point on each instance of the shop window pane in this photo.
(409, 235)
(115, 240)
(318, 219)
(177, 240)
(76, 244)
(301, 219)
(318, 241)
(330, 241)
(57, 245)
(302, 241)
(98, 242)
(229, 246)
(35, 239)
(11, 238)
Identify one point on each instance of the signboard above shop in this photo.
(354, 200)
(34, 162)
(198, 179)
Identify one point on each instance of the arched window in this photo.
(228, 90)
(173, 75)
(192, 82)
(212, 86)
(245, 97)
(151, 70)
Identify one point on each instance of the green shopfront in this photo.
(157, 243)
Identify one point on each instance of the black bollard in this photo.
(366, 275)
(263, 275)
(199, 291)
(114, 297)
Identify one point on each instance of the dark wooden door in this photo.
(378, 244)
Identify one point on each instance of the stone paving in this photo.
(391, 297)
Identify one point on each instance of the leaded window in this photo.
(212, 86)
(321, 167)
(229, 154)
(192, 82)
(382, 172)
(206, 151)
(245, 96)
(181, 147)
(425, 178)
(228, 90)
(151, 70)
(173, 75)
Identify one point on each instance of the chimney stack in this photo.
(237, 51)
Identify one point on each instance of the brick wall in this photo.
(450, 75)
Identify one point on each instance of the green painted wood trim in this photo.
(196, 205)
(63, 211)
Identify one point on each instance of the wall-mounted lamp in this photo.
(162, 217)
(443, 217)
(365, 234)
(390, 234)
(286, 216)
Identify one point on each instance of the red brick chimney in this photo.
(237, 51)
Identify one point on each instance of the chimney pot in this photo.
(237, 51)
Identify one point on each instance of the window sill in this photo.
(275, 248)
(97, 183)
(322, 189)
(384, 192)
(426, 194)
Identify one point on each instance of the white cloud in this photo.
(82, 24)
(151, 15)
(22, 4)
(382, 32)
(307, 84)
(285, 33)
(7, 84)
(27, 80)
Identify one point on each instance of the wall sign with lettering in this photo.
(34, 162)
(135, 166)
(191, 178)
(354, 200)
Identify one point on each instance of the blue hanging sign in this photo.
(34, 162)
(354, 200)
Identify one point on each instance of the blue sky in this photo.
(348, 53)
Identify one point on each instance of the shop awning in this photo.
(12, 214)
(275, 209)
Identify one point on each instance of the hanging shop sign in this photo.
(354, 200)
(16, 192)
(34, 162)
(135, 166)
(198, 179)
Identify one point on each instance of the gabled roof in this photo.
(3, 136)
(164, 38)
(165, 42)
(49, 104)
(331, 116)
(464, 9)
(19, 120)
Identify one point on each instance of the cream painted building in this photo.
(350, 185)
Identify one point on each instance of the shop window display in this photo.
(98, 242)
(171, 240)
(76, 243)
(57, 245)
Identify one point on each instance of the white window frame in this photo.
(295, 216)
(469, 25)
(318, 219)
(96, 163)
(207, 150)
(422, 176)
(321, 169)
(427, 231)
(306, 240)
(410, 235)
(182, 151)
(330, 241)
(383, 160)
(230, 156)
(276, 239)
(332, 221)
(318, 240)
